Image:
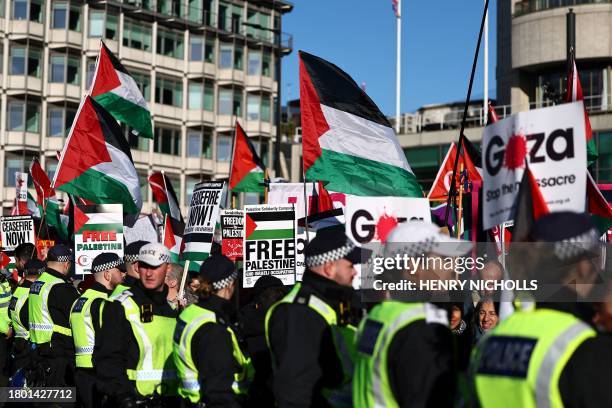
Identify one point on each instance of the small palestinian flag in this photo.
(114, 88)
(96, 162)
(272, 224)
(530, 205)
(348, 143)
(173, 237)
(164, 195)
(247, 173)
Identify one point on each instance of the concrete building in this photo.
(531, 71)
(201, 65)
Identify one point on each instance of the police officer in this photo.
(132, 355)
(212, 367)
(130, 257)
(309, 331)
(108, 271)
(5, 327)
(18, 310)
(49, 303)
(404, 345)
(550, 355)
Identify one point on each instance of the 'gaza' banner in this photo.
(552, 140)
(232, 231)
(269, 243)
(201, 220)
(103, 232)
(16, 230)
(370, 219)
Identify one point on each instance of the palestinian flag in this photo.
(164, 195)
(321, 211)
(247, 174)
(441, 185)
(96, 162)
(574, 93)
(173, 237)
(348, 143)
(114, 88)
(530, 205)
(598, 206)
(269, 225)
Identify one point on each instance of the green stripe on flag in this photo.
(271, 234)
(251, 183)
(363, 177)
(102, 227)
(127, 112)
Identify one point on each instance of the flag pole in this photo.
(181, 293)
(398, 67)
(485, 101)
(460, 214)
(266, 185)
(465, 111)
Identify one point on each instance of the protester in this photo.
(308, 331)
(130, 257)
(486, 317)
(108, 271)
(212, 366)
(23, 253)
(18, 310)
(173, 281)
(266, 291)
(463, 335)
(562, 361)
(492, 271)
(49, 303)
(413, 363)
(125, 371)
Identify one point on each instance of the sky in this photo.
(359, 36)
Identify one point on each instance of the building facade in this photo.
(531, 73)
(200, 64)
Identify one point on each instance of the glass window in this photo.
(209, 51)
(32, 118)
(225, 101)
(15, 117)
(168, 92)
(135, 142)
(72, 71)
(144, 84)
(224, 148)
(13, 164)
(50, 167)
(18, 60)
(189, 185)
(196, 48)
(199, 143)
(224, 20)
(34, 62)
(167, 141)
(225, 56)
(136, 34)
(91, 69)
(18, 120)
(36, 11)
(265, 108)
(170, 43)
(57, 72)
(209, 96)
(193, 144)
(237, 103)
(96, 23)
(112, 24)
(74, 18)
(254, 63)
(253, 103)
(238, 51)
(59, 14)
(265, 64)
(56, 122)
(195, 95)
(20, 9)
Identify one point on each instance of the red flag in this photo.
(80, 218)
(574, 93)
(247, 172)
(441, 185)
(491, 114)
(169, 241)
(41, 181)
(164, 195)
(530, 206)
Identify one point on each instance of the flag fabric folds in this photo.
(96, 162)
(574, 93)
(114, 88)
(348, 143)
(164, 195)
(598, 206)
(173, 237)
(441, 185)
(530, 205)
(247, 174)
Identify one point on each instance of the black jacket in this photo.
(302, 346)
(421, 365)
(212, 353)
(61, 298)
(116, 349)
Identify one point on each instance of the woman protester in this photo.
(212, 367)
(486, 316)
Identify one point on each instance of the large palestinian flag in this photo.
(348, 143)
(247, 173)
(164, 195)
(115, 89)
(96, 163)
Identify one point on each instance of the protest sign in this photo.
(370, 219)
(16, 230)
(103, 232)
(21, 192)
(269, 243)
(201, 220)
(552, 140)
(143, 230)
(232, 231)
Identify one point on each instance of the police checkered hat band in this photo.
(130, 258)
(576, 246)
(107, 266)
(218, 285)
(330, 256)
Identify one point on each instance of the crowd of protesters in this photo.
(128, 336)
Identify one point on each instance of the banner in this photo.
(103, 232)
(552, 141)
(370, 219)
(269, 243)
(16, 230)
(21, 193)
(201, 219)
(144, 229)
(232, 233)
